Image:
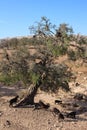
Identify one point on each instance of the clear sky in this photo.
(17, 15)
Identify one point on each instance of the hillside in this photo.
(17, 58)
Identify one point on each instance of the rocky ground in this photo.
(29, 119)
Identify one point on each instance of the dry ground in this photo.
(27, 119)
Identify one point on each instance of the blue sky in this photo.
(17, 15)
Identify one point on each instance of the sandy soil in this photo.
(28, 119)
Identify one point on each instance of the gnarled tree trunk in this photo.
(29, 97)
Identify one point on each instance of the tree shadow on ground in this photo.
(76, 120)
(7, 91)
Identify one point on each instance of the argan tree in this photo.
(45, 74)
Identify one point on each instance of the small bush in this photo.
(58, 50)
(82, 40)
(72, 55)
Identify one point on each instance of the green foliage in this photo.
(34, 77)
(58, 50)
(79, 53)
(10, 79)
(72, 55)
(16, 68)
(6, 79)
(82, 53)
(81, 40)
(55, 76)
(64, 29)
(13, 43)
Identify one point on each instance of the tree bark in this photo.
(29, 97)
